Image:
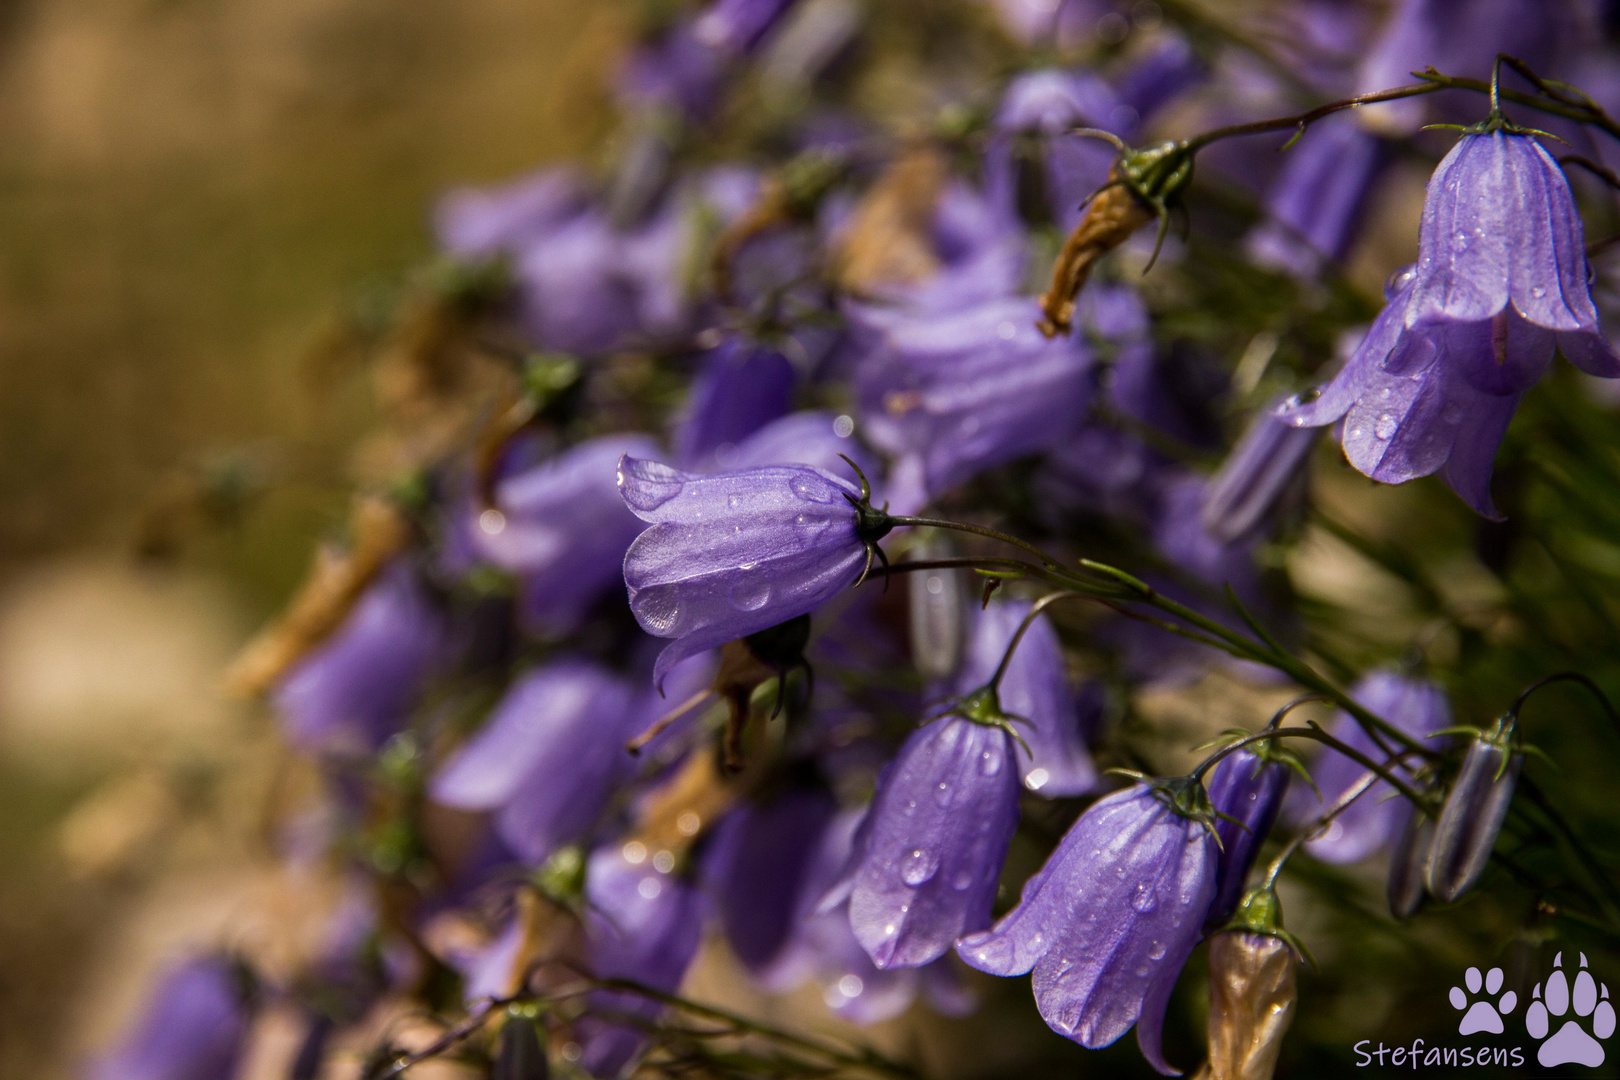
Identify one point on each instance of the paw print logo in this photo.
(1589, 999)
(1482, 1015)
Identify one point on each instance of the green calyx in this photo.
(1260, 912)
(562, 878)
(1157, 174)
(983, 706)
(1187, 797)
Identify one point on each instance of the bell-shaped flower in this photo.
(929, 856)
(1315, 205)
(357, 689)
(481, 223)
(951, 395)
(730, 554)
(1264, 469)
(1108, 922)
(755, 868)
(1472, 815)
(562, 529)
(1035, 689)
(644, 924)
(1247, 786)
(193, 1027)
(1374, 820)
(549, 757)
(739, 387)
(1501, 279)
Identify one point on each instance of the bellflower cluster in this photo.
(786, 337)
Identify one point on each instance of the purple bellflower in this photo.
(562, 529)
(1108, 922)
(1500, 279)
(1248, 786)
(1317, 200)
(929, 856)
(739, 387)
(552, 752)
(357, 689)
(1036, 688)
(1266, 466)
(755, 868)
(194, 1027)
(734, 553)
(1376, 818)
(479, 224)
(1048, 105)
(952, 395)
(641, 923)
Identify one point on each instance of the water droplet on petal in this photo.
(658, 612)
(811, 490)
(1538, 292)
(918, 866)
(990, 762)
(750, 594)
(1385, 427)
(963, 880)
(733, 501)
(1157, 951)
(1145, 899)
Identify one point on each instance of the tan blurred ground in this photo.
(189, 190)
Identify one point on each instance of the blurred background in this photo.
(198, 199)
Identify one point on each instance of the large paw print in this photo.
(1570, 1045)
(1482, 1015)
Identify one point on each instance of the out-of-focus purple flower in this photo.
(1182, 537)
(1316, 203)
(356, 690)
(818, 439)
(1249, 787)
(686, 67)
(930, 855)
(1375, 819)
(562, 529)
(1266, 465)
(477, 223)
(1048, 105)
(552, 752)
(641, 924)
(1459, 37)
(738, 26)
(755, 869)
(194, 1027)
(1108, 922)
(961, 393)
(1064, 23)
(1169, 67)
(733, 553)
(739, 387)
(1035, 687)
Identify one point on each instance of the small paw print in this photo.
(1482, 1015)
(1570, 1045)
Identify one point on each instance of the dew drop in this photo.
(962, 881)
(1538, 292)
(1385, 427)
(1157, 951)
(810, 490)
(918, 866)
(990, 762)
(658, 612)
(1145, 900)
(733, 501)
(750, 594)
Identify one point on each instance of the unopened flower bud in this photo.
(1407, 865)
(1251, 991)
(1473, 812)
(1109, 221)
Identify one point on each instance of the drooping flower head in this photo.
(562, 529)
(1501, 279)
(929, 856)
(550, 755)
(194, 1027)
(1108, 922)
(1053, 757)
(1375, 819)
(731, 554)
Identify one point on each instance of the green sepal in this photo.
(1260, 912)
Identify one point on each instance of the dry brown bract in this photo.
(1251, 1004)
(888, 240)
(1114, 214)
